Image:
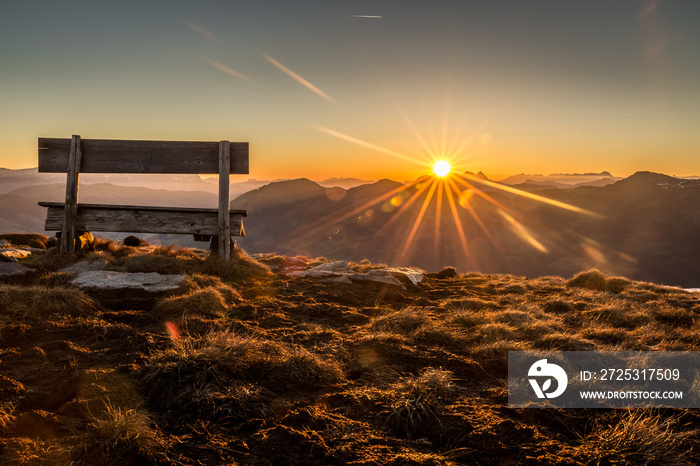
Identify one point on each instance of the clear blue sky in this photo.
(363, 88)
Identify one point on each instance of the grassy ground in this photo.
(245, 366)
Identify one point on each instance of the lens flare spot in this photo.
(396, 201)
(464, 197)
(442, 168)
(522, 232)
(173, 330)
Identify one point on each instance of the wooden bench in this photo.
(74, 156)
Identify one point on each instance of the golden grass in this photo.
(638, 437)
(267, 363)
(40, 301)
(419, 397)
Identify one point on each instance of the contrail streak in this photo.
(298, 78)
(200, 30)
(226, 69)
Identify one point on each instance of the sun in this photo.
(442, 168)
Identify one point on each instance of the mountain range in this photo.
(645, 226)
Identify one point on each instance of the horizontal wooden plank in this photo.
(140, 219)
(132, 156)
(242, 213)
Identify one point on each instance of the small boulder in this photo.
(109, 281)
(379, 278)
(11, 269)
(13, 255)
(406, 275)
(339, 280)
(314, 273)
(134, 241)
(338, 266)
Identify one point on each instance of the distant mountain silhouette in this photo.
(646, 226)
(563, 180)
(345, 183)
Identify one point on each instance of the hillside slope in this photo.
(247, 366)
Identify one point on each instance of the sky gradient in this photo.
(367, 89)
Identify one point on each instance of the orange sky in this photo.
(325, 89)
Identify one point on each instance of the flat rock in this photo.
(13, 255)
(11, 269)
(340, 279)
(86, 265)
(338, 266)
(406, 275)
(366, 277)
(315, 273)
(101, 280)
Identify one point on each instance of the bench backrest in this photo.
(125, 156)
(74, 156)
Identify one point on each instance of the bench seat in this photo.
(143, 219)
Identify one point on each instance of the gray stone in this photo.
(86, 265)
(315, 273)
(340, 279)
(13, 255)
(406, 275)
(110, 281)
(338, 266)
(366, 277)
(10, 269)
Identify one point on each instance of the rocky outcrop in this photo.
(13, 270)
(101, 280)
(341, 272)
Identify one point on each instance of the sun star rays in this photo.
(449, 196)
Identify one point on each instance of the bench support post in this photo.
(224, 200)
(71, 210)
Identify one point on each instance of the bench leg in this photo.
(214, 245)
(83, 241)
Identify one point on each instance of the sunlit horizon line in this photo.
(226, 69)
(201, 31)
(298, 78)
(364, 16)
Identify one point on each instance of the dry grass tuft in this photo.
(220, 360)
(595, 280)
(404, 321)
(31, 240)
(240, 269)
(419, 397)
(122, 436)
(40, 301)
(207, 302)
(638, 437)
(591, 279)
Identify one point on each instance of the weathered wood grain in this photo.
(144, 219)
(224, 220)
(133, 156)
(71, 211)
